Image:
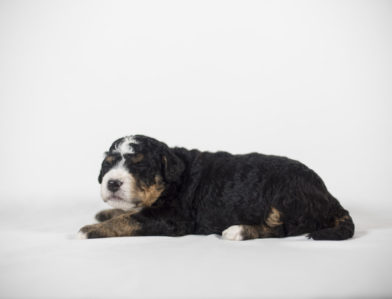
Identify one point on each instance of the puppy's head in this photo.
(136, 170)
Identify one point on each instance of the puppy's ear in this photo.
(172, 166)
(100, 172)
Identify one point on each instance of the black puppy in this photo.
(162, 191)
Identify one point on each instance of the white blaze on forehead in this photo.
(124, 147)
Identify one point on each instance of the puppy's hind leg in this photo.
(271, 228)
(108, 214)
(246, 232)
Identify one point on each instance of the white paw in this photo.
(234, 233)
(81, 236)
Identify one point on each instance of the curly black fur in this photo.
(205, 193)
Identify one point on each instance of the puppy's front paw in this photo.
(81, 235)
(90, 232)
(234, 233)
(108, 214)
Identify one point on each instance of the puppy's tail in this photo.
(342, 229)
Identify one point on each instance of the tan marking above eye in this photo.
(137, 158)
(109, 159)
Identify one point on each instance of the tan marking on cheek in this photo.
(138, 158)
(148, 194)
(273, 218)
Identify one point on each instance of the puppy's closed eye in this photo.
(135, 158)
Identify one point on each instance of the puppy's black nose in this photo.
(114, 185)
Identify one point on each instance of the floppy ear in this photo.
(100, 171)
(172, 166)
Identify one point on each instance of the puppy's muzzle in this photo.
(114, 185)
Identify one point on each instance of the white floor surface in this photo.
(40, 258)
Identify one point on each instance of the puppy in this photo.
(162, 191)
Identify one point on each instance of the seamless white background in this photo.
(306, 79)
(311, 80)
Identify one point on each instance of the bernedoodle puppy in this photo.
(161, 191)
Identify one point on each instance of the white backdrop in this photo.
(306, 79)
(310, 80)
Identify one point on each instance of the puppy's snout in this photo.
(114, 185)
